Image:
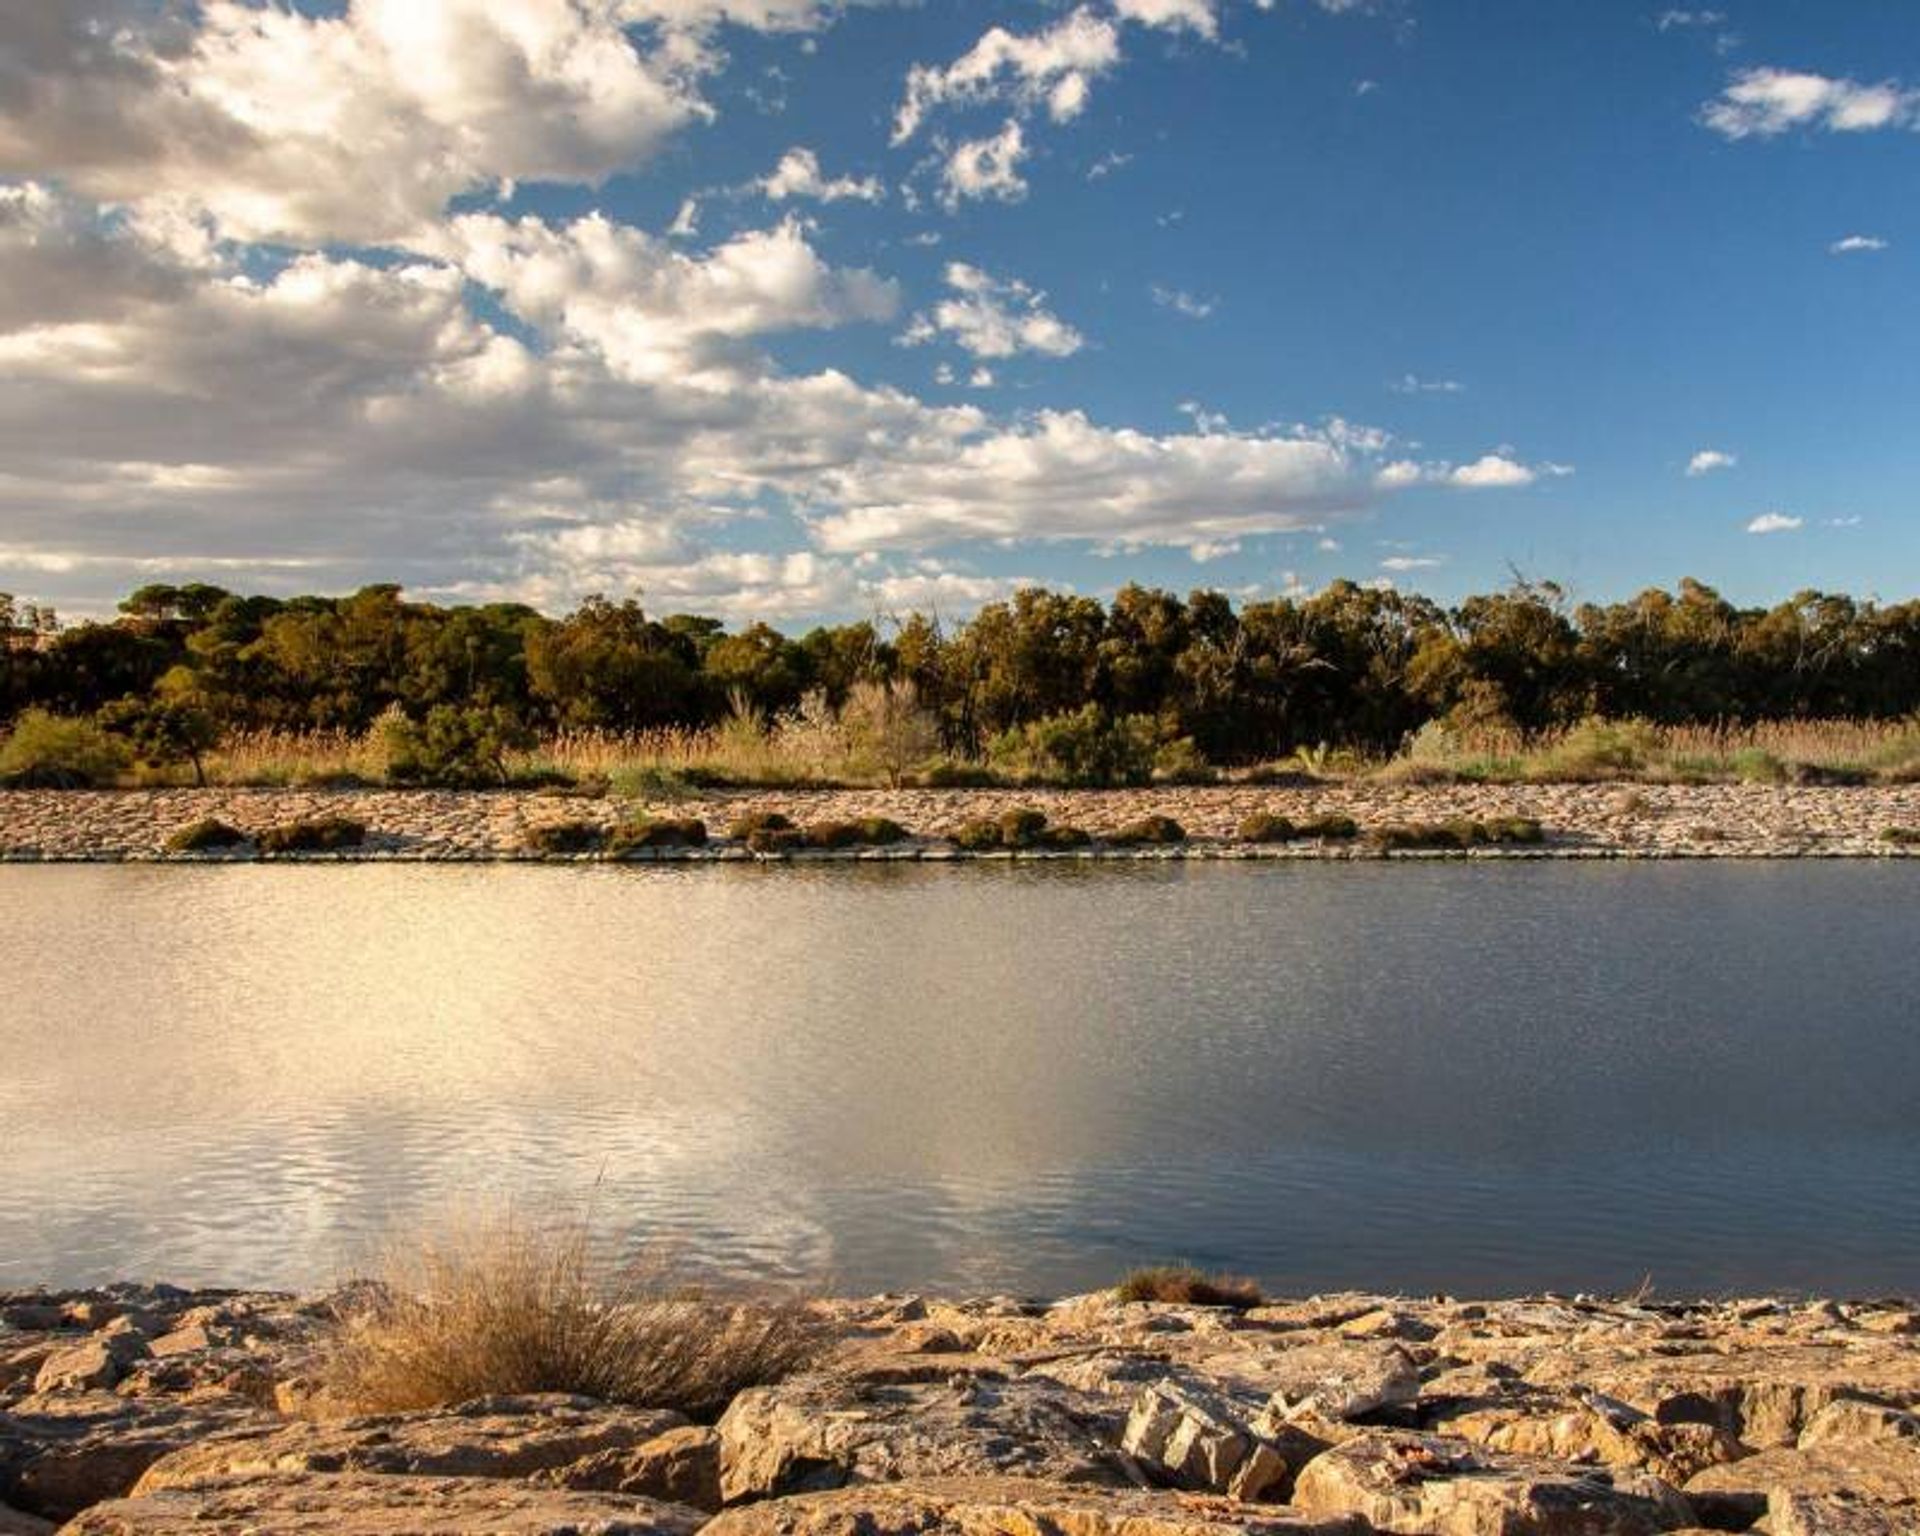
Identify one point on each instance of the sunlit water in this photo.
(1435, 1077)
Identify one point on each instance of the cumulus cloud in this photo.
(1707, 460)
(798, 175)
(986, 169)
(1776, 522)
(1854, 245)
(993, 318)
(1053, 67)
(1763, 103)
(1177, 15)
(1492, 471)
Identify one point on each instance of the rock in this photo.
(1387, 1323)
(1885, 1473)
(1593, 1430)
(363, 1504)
(1333, 1381)
(64, 1451)
(93, 1364)
(1015, 1507)
(815, 1433)
(489, 1437)
(681, 1466)
(1399, 1481)
(34, 1316)
(1800, 1514)
(1852, 1421)
(14, 1523)
(1197, 1439)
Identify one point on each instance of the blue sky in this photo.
(515, 300)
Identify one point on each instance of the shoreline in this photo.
(1580, 821)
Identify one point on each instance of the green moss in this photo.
(564, 837)
(324, 834)
(205, 836)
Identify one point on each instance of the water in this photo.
(1472, 1078)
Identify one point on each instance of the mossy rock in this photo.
(323, 834)
(208, 835)
(564, 837)
(634, 836)
(1149, 832)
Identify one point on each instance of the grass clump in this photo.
(1148, 832)
(504, 1308)
(1901, 837)
(868, 832)
(208, 835)
(661, 832)
(1185, 1285)
(1015, 830)
(563, 837)
(1265, 827)
(323, 834)
(1457, 836)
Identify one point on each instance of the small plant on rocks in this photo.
(1149, 832)
(1183, 1284)
(208, 835)
(563, 837)
(630, 837)
(1901, 837)
(324, 834)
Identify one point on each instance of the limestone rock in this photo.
(1404, 1482)
(681, 1466)
(1016, 1507)
(1590, 1430)
(1800, 1514)
(1199, 1439)
(360, 1504)
(1333, 1381)
(1885, 1474)
(60, 1452)
(15, 1523)
(489, 1437)
(1852, 1421)
(92, 1364)
(815, 1433)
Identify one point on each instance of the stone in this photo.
(815, 1433)
(681, 1466)
(63, 1451)
(1883, 1473)
(1852, 1421)
(1592, 1430)
(14, 1522)
(1404, 1482)
(1016, 1507)
(489, 1437)
(1800, 1514)
(364, 1504)
(1334, 1381)
(93, 1364)
(1192, 1438)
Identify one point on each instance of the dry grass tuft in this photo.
(1185, 1285)
(500, 1306)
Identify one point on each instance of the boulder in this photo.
(1883, 1473)
(1850, 1421)
(1593, 1429)
(362, 1504)
(815, 1433)
(1016, 1507)
(14, 1522)
(1201, 1440)
(1800, 1514)
(92, 1364)
(489, 1437)
(681, 1466)
(1331, 1381)
(1403, 1482)
(60, 1452)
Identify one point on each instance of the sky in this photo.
(804, 310)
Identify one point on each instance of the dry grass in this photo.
(501, 1306)
(1185, 1285)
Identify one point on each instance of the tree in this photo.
(887, 728)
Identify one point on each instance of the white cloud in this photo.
(1183, 303)
(1493, 471)
(1856, 244)
(798, 175)
(1413, 384)
(1192, 15)
(986, 168)
(994, 317)
(1776, 522)
(1400, 563)
(1707, 460)
(1762, 103)
(1051, 68)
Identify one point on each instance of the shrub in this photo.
(563, 837)
(46, 751)
(1902, 837)
(1514, 830)
(742, 828)
(948, 774)
(504, 1308)
(1088, 748)
(325, 834)
(204, 836)
(1021, 827)
(1333, 827)
(632, 781)
(887, 729)
(1265, 827)
(631, 836)
(452, 746)
(1598, 750)
(1149, 831)
(882, 832)
(1061, 838)
(1457, 835)
(1181, 762)
(1185, 1285)
(868, 832)
(977, 836)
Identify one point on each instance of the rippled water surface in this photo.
(1431, 1077)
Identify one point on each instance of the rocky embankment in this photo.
(1605, 821)
(150, 1411)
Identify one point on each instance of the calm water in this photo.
(1469, 1078)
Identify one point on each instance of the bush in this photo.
(977, 836)
(1087, 748)
(1598, 750)
(631, 836)
(1182, 1284)
(1181, 762)
(1021, 827)
(1149, 831)
(1061, 838)
(868, 832)
(325, 834)
(204, 836)
(881, 832)
(1902, 837)
(453, 747)
(742, 828)
(46, 751)
(564, 837)
(948, 774)
(1457, 835)
(504, 1309)
(1264, 827)
(1333, 827)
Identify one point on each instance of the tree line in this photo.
(1350, 666)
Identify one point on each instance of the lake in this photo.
(1473, 1078)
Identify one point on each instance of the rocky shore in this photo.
(1580, 821)
(155, 1411)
